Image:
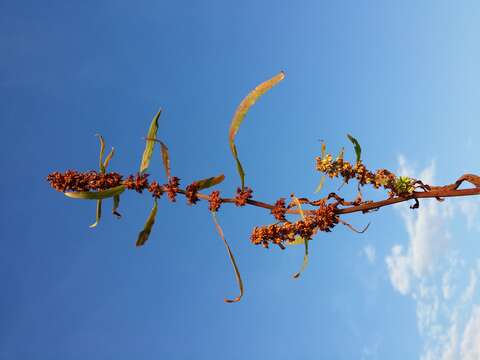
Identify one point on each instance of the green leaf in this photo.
(116, 204)
(150, 143)
(96, 195)
(232, 260)
(102, 151)
(165, 159)
(320, 185)
(299, 239)
(147, 229)
(209, 182)
(108, 158)
(241, 112)
(98, 214)
(356, 145)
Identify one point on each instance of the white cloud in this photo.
(370, 253)
(399, 270)
(433, 273)
(470, 348)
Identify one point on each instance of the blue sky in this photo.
(402, 77)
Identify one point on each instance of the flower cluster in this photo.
(156, 189)
(72, 180)
(397, 186)
(172, 188)
(191, 193)
(323, 219)
(243, 196)
(214, 201)
(139, 182)
(279, 210)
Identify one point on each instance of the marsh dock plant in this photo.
(315, 215)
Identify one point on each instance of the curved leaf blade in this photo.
(147, 229)
(165, 159)
(299, 240)
(102, 151)
(242, 111)
(232, 260)
(356, 145)
(98, 214)
(150, 143)
(209, 182)
(116, 204)
(96, 195)
(108, 158)
(320, 184)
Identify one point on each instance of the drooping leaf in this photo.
(116, 204)
(147, 229)
(209, 182)
(320, 184)
(241, 112)
(232, 260)
(356, 145)
(165, 159)
(150, 143)
(98, 214)
(299, 240)
(96, 195)
(102, 151)
(108, 158)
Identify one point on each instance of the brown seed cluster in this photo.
(214, 201)
(279, 210)
(172, 188)
(191, 193)
(323, 219)
(340, 167)
(72, 180)
(243, 196)
(139, 182)
(156, 189)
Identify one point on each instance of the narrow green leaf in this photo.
(305, 241)
(96, 195)
(320, 185)
(298, 241)
(150, 143)
(232, 260)
(98, 214)
(209, 182)
(147, 229)
(356, 145)
(165, 159)
(241, 112)
(108, 158)
(102, 151)
(116, 204)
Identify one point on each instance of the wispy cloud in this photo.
(370, 253)
(431, 270)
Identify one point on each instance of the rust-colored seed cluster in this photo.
(242, 196)
(172, 188)
(72, 180)
(214, 201)
(156, 189)
(191, 193)
(279, 210)
(139, 182)
(323, 219)
(334, 168)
